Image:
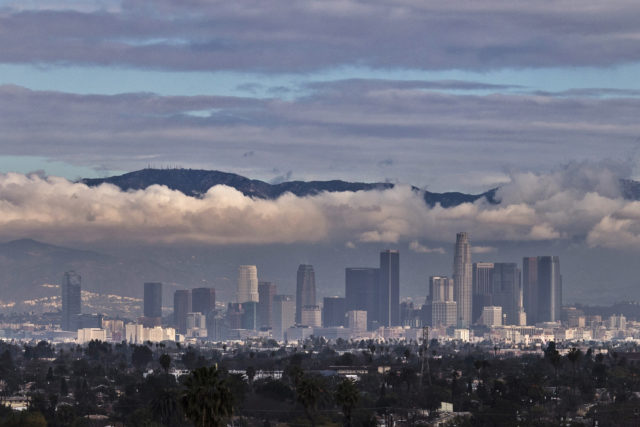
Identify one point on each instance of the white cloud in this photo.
(416, 246)
(483, 249)
(575, 203)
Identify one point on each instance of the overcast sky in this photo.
(451, 95)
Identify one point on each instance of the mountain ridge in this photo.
(196, 182)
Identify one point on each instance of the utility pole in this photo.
(425, 355)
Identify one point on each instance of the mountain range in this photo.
(194, 182)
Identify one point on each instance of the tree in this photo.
(141, 356)
(347, 397)
(207, 400)
(165, 362)
(308, 393)
(251, 373)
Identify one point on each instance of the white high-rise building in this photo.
(311, 316)
(491, 315)
(283, 314)
(463, 279)
(357, 320)
(247, 283)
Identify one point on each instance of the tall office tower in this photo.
(333, 311)
(482, 288)
(507, 290)
(203, 300)
(283, 315)
(247, 283)
(389, 288)
(305, 289)
(463, 280)
(530, 288)
(266, 292)
(549, 289)
(361, 291)
(152, 304)
(182, 305)
(71, 300)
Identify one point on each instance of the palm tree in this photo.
(207, 400)
(308, 393)
(347, 396)
(165, 407)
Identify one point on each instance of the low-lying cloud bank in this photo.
(580, 203)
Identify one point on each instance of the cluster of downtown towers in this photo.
(528, 296)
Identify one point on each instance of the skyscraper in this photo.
(266, 292)
(361, 291)
(305, 289)
(152, 304)
(530, 288)
(389, 288)
(203, 300)
(507, 290)
(182, 304)
(462, 280)
(482, 288)
(542, 288)
(549, 289)
(247, 283)
(440, 308)
(71, 300)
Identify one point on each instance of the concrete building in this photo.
(247, 284)
(88, 334)
(357, 320)
(389, 288)
(311, 316)
(283, 315)
(71, 300)
(491, 316)
(463, 280)
(196, 323)
(444, 313)
(305, 289)
(136, 333)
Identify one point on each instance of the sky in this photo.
(537, 98)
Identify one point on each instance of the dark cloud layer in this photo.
(447, 141)
(285, 35)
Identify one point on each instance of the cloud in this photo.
(302, 35)
(577, 203)
(447, 142)
(483, 249)
(415, 246)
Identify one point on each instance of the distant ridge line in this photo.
(196, 182)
